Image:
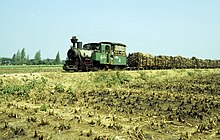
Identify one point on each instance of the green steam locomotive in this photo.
(95, 56)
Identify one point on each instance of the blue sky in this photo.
(160, 27)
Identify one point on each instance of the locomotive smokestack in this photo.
(74, 41)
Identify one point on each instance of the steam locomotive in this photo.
(95, 56)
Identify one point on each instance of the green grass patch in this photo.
(29, 68)
(111, 78)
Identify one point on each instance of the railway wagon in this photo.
(139, 60)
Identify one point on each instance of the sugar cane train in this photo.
(111, 55)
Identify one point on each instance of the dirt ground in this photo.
(151, 105)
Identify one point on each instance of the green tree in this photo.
(5, 61)
(23, 56)
(37, 58)
(18, 58)
(14, 58)
(57, 59)
(27, 59)
(49, 61)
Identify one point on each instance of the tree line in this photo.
(21, 58)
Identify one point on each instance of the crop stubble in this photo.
(162, 104)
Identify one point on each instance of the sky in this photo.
(159, 27)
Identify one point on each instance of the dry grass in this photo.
(159, 104)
